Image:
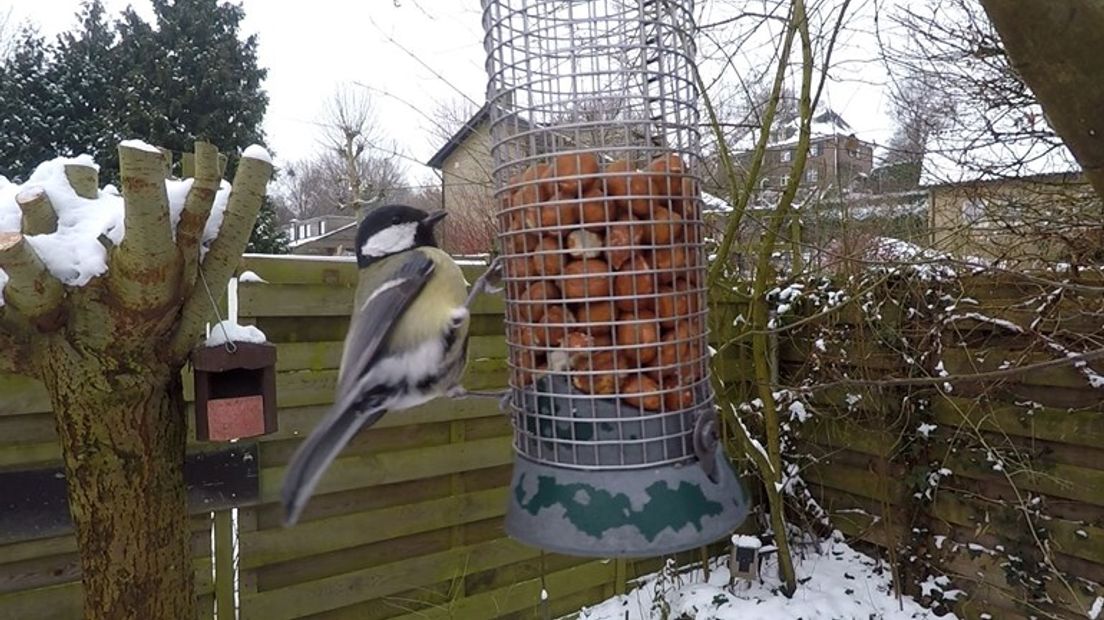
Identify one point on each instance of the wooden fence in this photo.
(406, 523)
(998, 483)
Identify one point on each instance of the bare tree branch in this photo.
(241, 211)
(31, 289)
(197, 207)
(145, 268)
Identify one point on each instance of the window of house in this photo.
(787, 155)
(815, 151)
(322, 227)
(812, 175)
(785, 180)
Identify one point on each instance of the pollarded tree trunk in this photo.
(110, 354)
(123, 432)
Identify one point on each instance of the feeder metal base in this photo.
(623, 513)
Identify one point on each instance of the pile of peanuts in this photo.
(603, 275)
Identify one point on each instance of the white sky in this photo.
(311, 47)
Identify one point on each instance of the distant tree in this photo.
(995, 124)
(27, 121)
(85, 75)
(354, 175)
(185, 72)
(268, 235)
(351, 172)
(920, 111)
(8, 31)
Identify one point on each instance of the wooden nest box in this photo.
(235, 392)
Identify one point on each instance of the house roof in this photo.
(953, 160)
(306, 240)
(458, 138)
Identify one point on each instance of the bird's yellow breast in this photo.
(432, 310)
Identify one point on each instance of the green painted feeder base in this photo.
(623, 513)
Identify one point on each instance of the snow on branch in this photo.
(30, 290)
(246, 197)
(145, 268)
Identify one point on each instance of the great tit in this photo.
(407, 340)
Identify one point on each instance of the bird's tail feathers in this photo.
(319, 450)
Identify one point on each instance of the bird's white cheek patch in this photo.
(390, 240)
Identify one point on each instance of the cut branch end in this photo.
(39, 216)
(85, 180)
(31, 290)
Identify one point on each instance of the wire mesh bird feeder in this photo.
(595, 142)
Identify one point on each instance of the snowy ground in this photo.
(837, 583)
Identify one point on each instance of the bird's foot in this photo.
(459, 392)
(490, 282)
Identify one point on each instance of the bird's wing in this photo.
(355, 405)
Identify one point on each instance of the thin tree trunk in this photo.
(123, 435)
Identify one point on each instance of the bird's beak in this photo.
(431, 220)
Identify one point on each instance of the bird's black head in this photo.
(392, 229)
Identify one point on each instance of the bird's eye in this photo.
(395, 220)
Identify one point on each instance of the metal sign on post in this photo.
(595, 141)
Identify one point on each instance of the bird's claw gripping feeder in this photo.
(595, 136)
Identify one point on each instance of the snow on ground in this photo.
(838, 584)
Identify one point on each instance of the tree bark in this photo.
(1056, 48)
(123, 435)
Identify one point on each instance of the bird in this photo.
(407, 339)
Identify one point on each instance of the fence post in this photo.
(620, 578)
(225, 608)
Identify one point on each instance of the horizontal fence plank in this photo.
(1055, 479)
(323, 535)
(1068, 537)
(320, 300)
(1082, 428)
(857, 482)
(384, 468)
(843, 434)
(959, 362)
(332, 270)
(295, 300)
(288, 269)
(28, 428)
(372, 583)
(520, 595)
(298, 421)
(22, 395)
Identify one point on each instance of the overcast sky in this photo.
(311, 47)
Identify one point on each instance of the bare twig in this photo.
(197, 207)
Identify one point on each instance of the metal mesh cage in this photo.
(595, 138)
